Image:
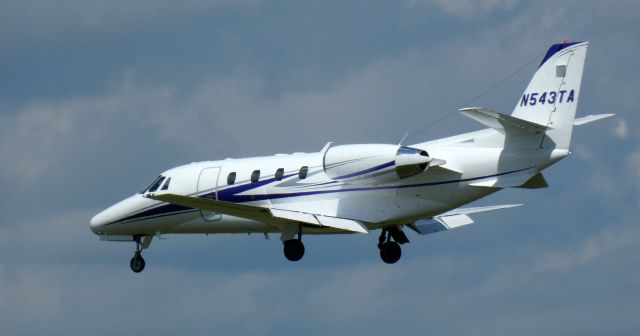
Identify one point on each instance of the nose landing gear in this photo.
(137, 262)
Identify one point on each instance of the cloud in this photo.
(62, 158)
(40, 135)
(38, 16)
(633, 164)
(592, 248)
(211, 121)
(465, 8)
(621, 130)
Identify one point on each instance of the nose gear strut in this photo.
(137, 262)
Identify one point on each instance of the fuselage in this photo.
(298, 182)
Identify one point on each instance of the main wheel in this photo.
(137, 263)
(293, 249)
(390, 252)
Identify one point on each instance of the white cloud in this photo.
(214, 118)
(41, 135)
(592, 248)
(621, 130)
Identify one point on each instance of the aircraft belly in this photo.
(228, 224)
(407, 205)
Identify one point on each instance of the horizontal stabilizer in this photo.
(511, 180)
(501, 122)
(591, 118)
(453, 219)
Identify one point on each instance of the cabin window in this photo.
(255, 176)
(303, 172)
(231, 178)
(156, 185)
(166, 184)
(279, 174)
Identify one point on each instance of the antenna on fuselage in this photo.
(404, 137)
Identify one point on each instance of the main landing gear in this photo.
(390, 251)
(137, 262)
(293, 247)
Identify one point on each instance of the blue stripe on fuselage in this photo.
(366, 171)
(231, 195)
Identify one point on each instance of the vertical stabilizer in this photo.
(552, 95)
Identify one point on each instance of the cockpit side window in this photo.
(166, 184)
(156, 185)
(151, 185)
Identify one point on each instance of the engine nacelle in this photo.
(373, 163)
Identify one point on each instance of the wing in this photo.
(453, 219)
(260, 213)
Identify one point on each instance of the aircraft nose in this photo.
(98, 221)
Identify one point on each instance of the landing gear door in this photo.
(207, 187)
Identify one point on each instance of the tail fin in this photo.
(552, 95)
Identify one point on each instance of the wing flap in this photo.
(295, 216)
(342, 223)
(315, 219)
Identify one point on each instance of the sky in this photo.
(98, 97)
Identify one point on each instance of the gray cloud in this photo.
(466, 8)
(37, 16)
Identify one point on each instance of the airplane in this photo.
(358, 188)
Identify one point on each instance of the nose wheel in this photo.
(137, 262)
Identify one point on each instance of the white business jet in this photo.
(364, 187)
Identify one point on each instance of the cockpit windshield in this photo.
(153, 186)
